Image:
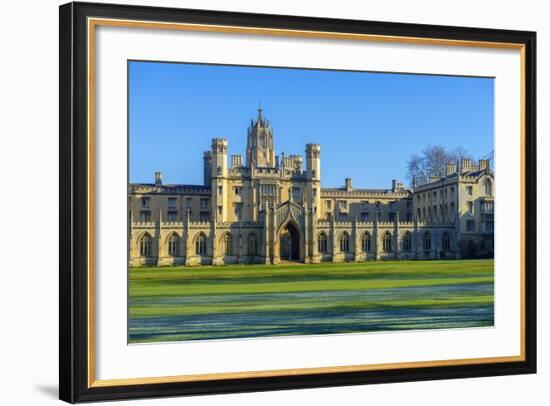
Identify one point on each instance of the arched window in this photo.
(365, 242)
(322, 243)
(200, 244)
(344, 242)
(252, 244)
(407, 242)
(227, 241)
(386, 242)
(174, 245)
(427, 241)
(446, 242)
(488, 187)
(145, 243)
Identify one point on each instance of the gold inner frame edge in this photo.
(94, 22)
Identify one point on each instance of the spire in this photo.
(260, 111)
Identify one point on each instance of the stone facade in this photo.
(271, 208)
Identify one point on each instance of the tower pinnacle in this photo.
(260, 111)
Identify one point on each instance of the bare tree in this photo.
(491, 157)
(432, 161)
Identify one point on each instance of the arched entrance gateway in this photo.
(289, 243)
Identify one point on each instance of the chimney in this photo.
(396, 185)
(465, 165)
(298, 163)
(451, 168)
(484, 164)
(348, 185)
(158, 178)
(236, 161)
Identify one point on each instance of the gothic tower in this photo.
(259, 147)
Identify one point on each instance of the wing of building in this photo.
(270, 208)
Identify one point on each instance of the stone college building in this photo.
(268, 208)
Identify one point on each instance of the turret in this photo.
(313, 161)
(219, 157)
(313, 174)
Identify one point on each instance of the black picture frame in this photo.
(74, 199)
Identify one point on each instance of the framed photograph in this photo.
(256, 202)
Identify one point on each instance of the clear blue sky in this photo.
(368, 124)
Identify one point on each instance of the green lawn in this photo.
(178, 303)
